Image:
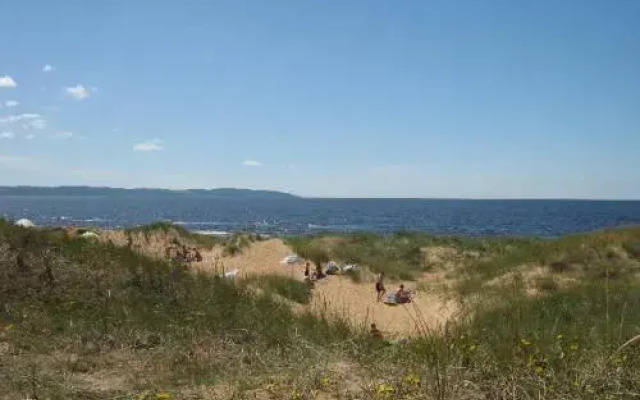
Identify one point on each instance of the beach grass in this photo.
(90, 320)
(287, 287)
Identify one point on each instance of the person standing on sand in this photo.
(380, 290)
(307, 272)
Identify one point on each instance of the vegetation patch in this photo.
(89, 320)
(289, 288)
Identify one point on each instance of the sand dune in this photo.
(333, 296)
(337, 295)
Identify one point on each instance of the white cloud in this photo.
(10, 119)
(78, 92)
(252, 163)
(149, 145)
(47, 68)
(7, 82)
(36, 124)
(7, 135)
(30, 136)
(11, 103)
(27, 121)
(64, 135)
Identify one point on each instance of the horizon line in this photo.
(326, 197)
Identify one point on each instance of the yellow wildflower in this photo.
(164, 396)
(384, 389)
(412, 379)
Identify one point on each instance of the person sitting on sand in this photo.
(375, 332)
(402, 295)
(380, 290)
(332, 268)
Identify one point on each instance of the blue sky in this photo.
(359, 98)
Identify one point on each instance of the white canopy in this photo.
(25, 223)
(292, 259)
(89, 234)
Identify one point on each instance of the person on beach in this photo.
(319, 273)
(402, 295)
(307, 272)
(380, 290)
(332, 268)
(375, 332)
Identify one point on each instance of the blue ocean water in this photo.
(300, 216)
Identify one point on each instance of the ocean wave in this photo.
(200, 223)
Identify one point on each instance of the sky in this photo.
(324, 98)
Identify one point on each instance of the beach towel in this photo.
(390, 300)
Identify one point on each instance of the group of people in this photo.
(183, 253)
(312, 276)
(318, 273)
(402, 295)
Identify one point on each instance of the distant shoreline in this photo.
(224, 193)
(258, 194)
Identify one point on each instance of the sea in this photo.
(299, 216)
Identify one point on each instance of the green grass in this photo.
(236, 243)
(232, 244)
(399, 255)
(80, 297)
(72, 309)
(289, 288)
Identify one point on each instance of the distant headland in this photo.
(225, 193)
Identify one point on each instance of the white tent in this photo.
(89, 235)
(292, 259)
(25, 223)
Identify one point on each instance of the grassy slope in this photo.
(75, 297)
(73, 310)
(232, 244)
